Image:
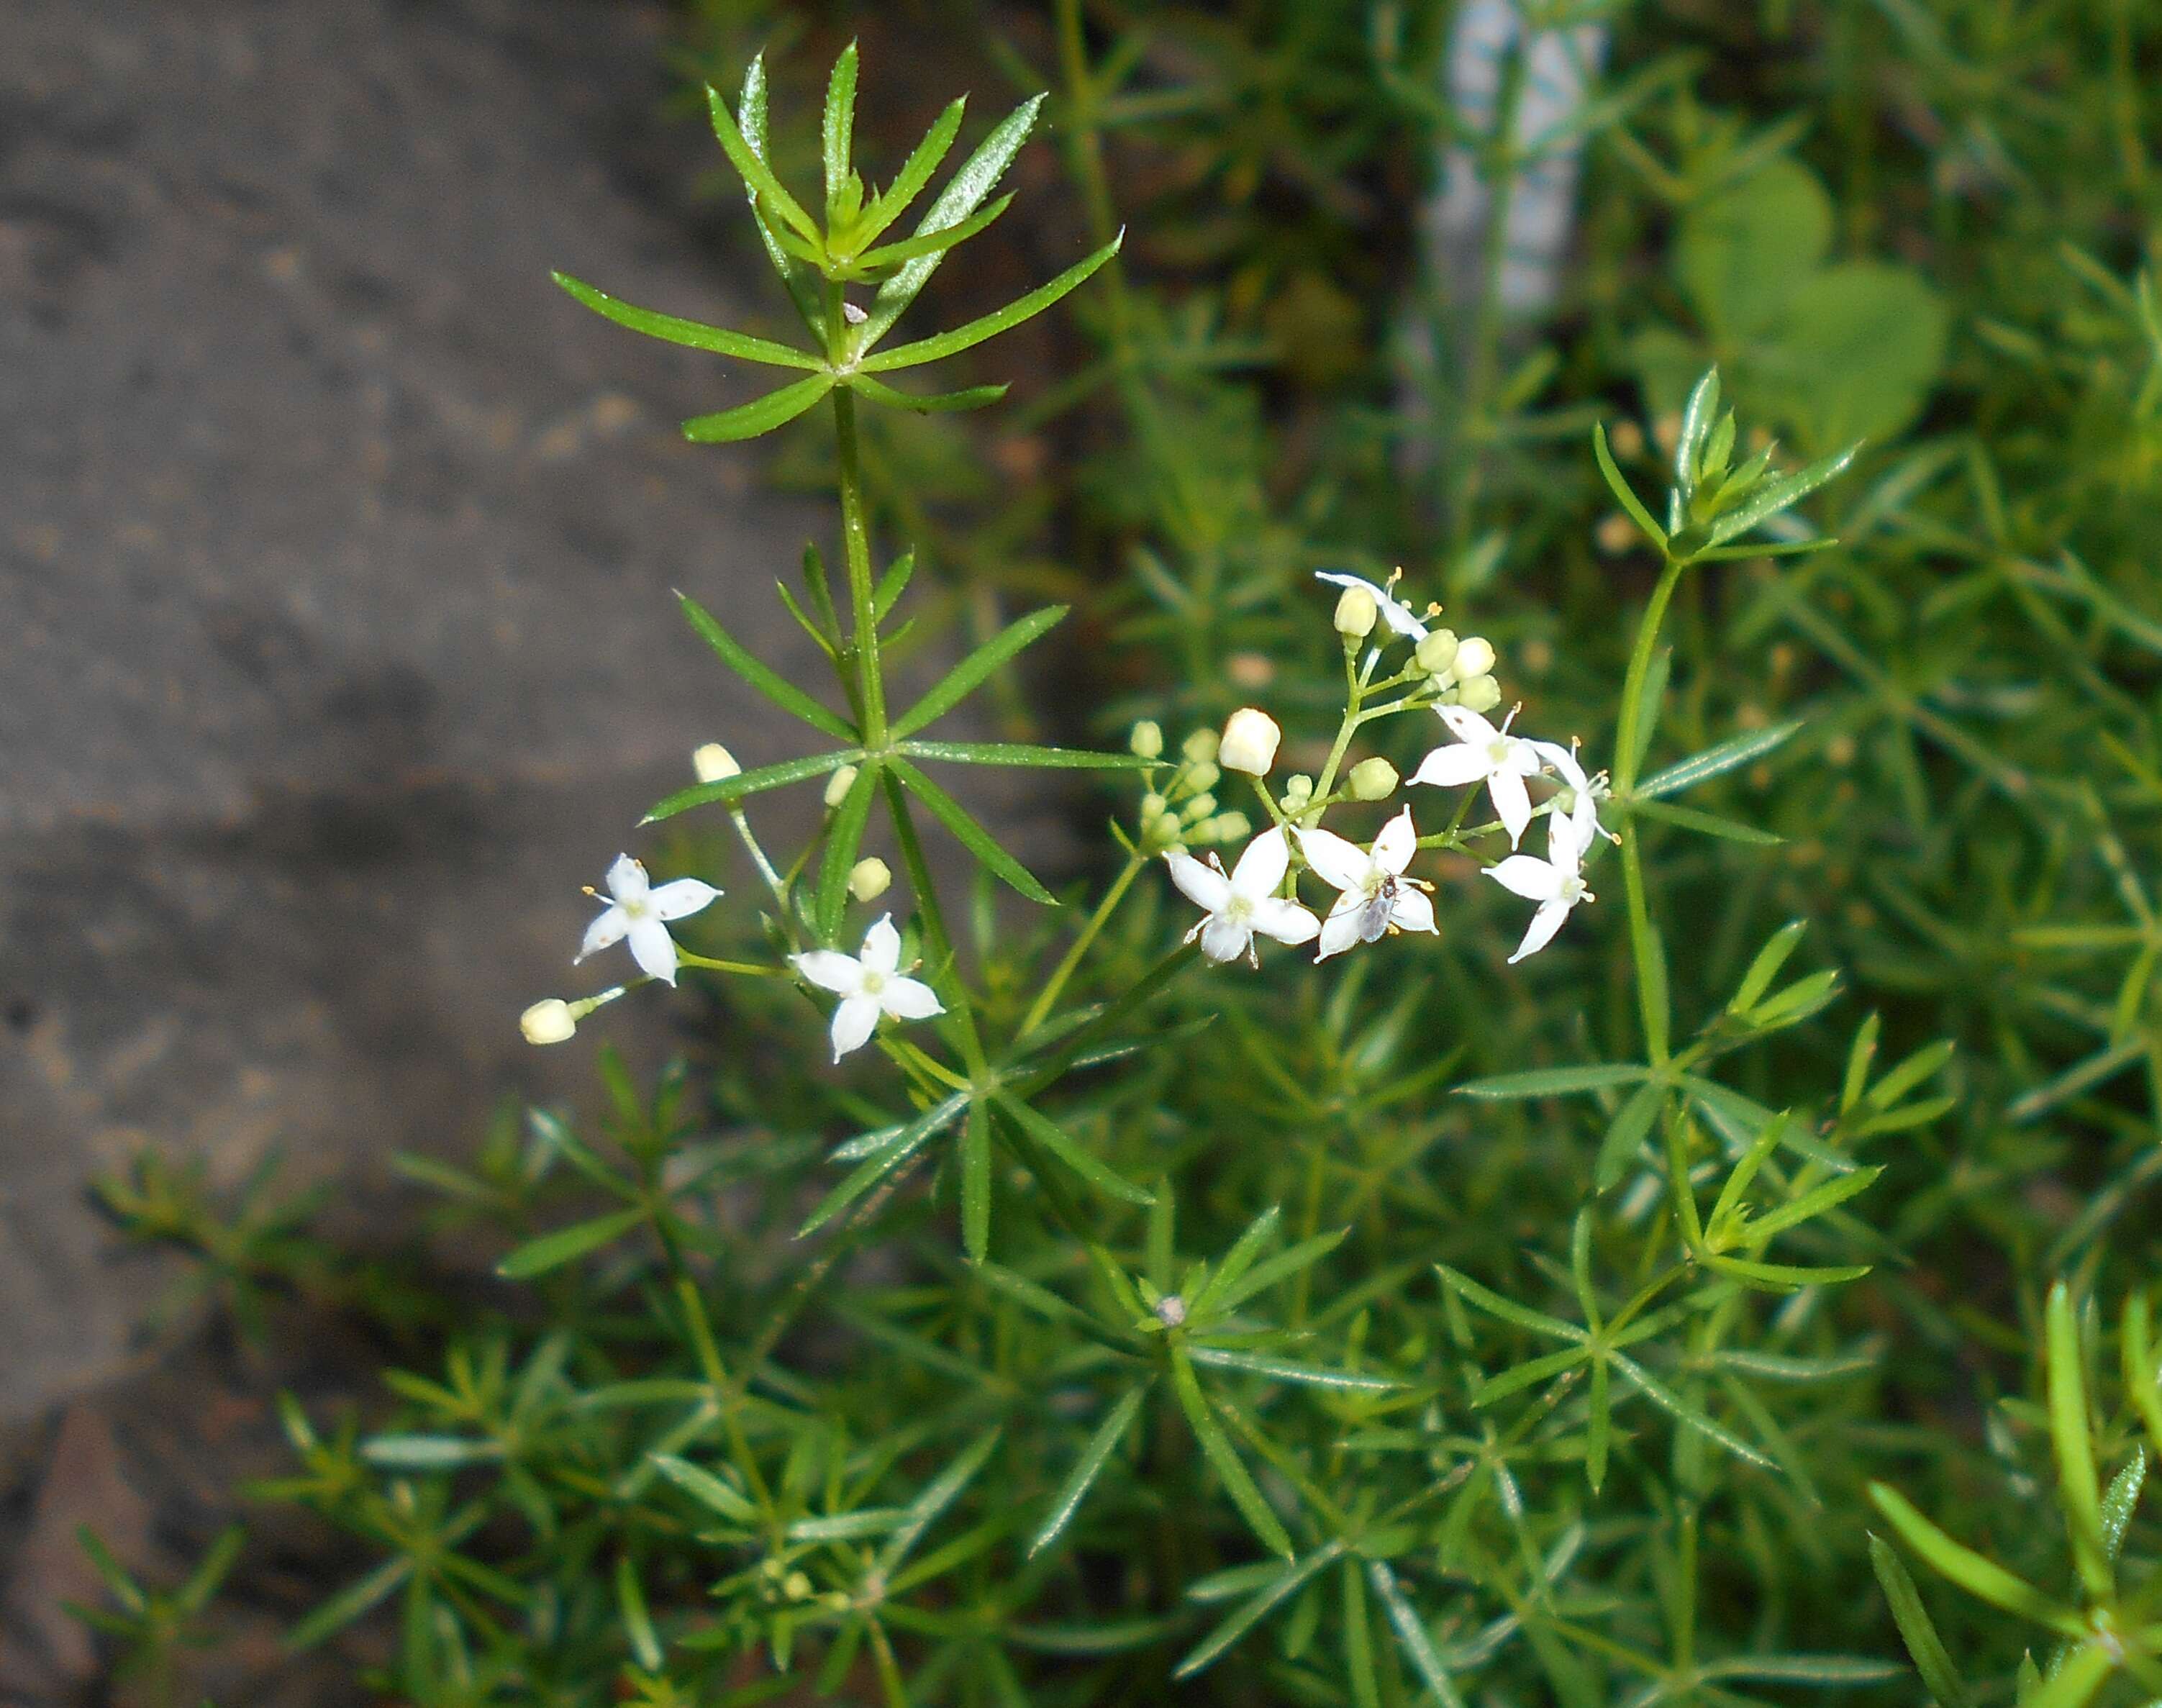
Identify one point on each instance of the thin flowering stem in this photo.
(856, 543)
(748, 970)
(1048, 998)
(941, 945)
(1643, 946)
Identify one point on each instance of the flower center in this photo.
(1572, 891)
(636, 908)
(1497, 750)
(874, 981)
(1237, 910)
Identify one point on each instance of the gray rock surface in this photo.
(337, 548)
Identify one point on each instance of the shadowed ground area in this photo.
(337, 548)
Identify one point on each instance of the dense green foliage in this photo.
(1551, 1332)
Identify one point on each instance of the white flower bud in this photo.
(839, 785)
(548, 1022)
(1249, 743)
(1200, 747)
(715, 763)
(1437, 652)
(1202, 776)
(1356, 614)
(1170, 1310)
(1475, 657)
(1373, 779)
(1298, 790)
(1147, 741)
(1479, 694)
(869, 879)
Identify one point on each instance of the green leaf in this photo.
(963, 196)
(762, 415)
(1728, 755)
(1250, 1613)
(637, 1620)
(347, 1605)
(942, 403)
(762, 677)
(1245, 1249)
(1509, 1311)
(1765, 968)
(428, 1452)
(905, 1143)
(1624, 494)
(1020, 753)
(968, 336)
(1932, 1658)
(553, 1251)
(1052, 1137)
(936, 242)
(1774, 496)
(1698, 1419)
(892, 584)
(1858, 348)
(836, 130)
(1555, 1082)
(753, 781)
(1705, 823)
(1978, 1575)
(924, 1510)
(915, 173)
(1288, 1370)
(756, 174)
(1238, 1482)
(2071, 1438)
(963, 679)
(706, 1488)
(1625, 1136)
(692, 333)
(976, 1183)
(1226, 1295)
(971, 835)
(1412, 1636)
(845, 838)
(1742, 251)
(1104, 1442)
(1697, 417)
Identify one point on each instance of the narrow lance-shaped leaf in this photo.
(553, 1251)
(1696, 423)
(844, 837)
(963, 196)
(1728, 755)
(1555, 1082)
(1412, 1636)
(1777, 495)
(1932, 1658)
(756, 174)
(1020, 753)
(706, 1488)
(776, 409)
(1238, 1482)
(963, 680)
(1624, 494)
(1977, 1574)
(976, 1183)
(915, 173)
(693, 334)
(1624, 1135)
(1052, 1137)
(752, 782)
(2073, 1443)
(1250, 1613)
(932, 242)
(763, 677)
(939, 402)
(1104, 1442)
(926, 1508)
(751, 114)
(836, 130)
(968, 336)
(973, 836)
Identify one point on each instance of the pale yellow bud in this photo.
(1479, 694)
(548, 1022)
(1475, 657)
(1228, 827)
(1249, 743)
(1373, 780)
(1146, 740)
(1437, 651)
(1200, 747)
(1356, 614)
(1203, 776)
(715, 763)
(869, 878)
(1199, 809)
(839, 785)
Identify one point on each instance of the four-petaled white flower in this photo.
(640, 912)
(1376, 897)
(1245, 901)
(1394, 612)
(869, 985)
(1556, 883)
(1488, 755)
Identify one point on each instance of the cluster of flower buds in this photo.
(1181, 807)
(1461, 670)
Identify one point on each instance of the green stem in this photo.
(1643, 945)
(943, 957)
(856, 542)
(1039, 1009)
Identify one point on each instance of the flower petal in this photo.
(1534, 879)
(881, 950)
(653, 948)
(1565, 763)
(683, 897)
(829, 969)
(1203, 886)
(910, 999)
(854, 1021)
(626, 880)
(1399, 841)
(1449, 767)
(1221, 940)
(1541, 932)
(1467, 725)
(1338, 863)
(1339, 931)
(1287, 922)
(1414, 911)
(1512, 801)
(608, 927)
(1261, 868)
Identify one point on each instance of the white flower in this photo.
(1488, 755)
(639, 912)
(1556, 883)
(1376, 897)
(1566, 766)
(1244, 902)
(869, 985)
(1394, 612)
(1249, 743)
